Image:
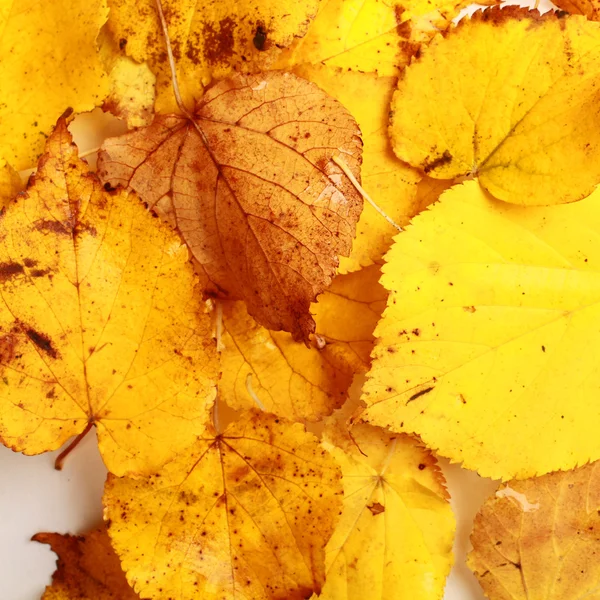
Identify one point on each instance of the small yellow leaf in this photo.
(540, 538)
(87, 568)
(99, 321)
(10, 183)
(49, 63)
(589, 8)
(511, 96)
(488, 336)
(394, 538)
(242, 514)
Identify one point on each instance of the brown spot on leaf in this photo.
(42, 341)
(439, 161)
(49, 225)
(218, 41)
(260, 37)
(376, 508)
(8, 270)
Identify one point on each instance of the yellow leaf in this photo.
(589, 8)
(526, 122)
(394, 538)
(390, 182)
(488, 336)
(87, 568)
(242, 514)
(284, 377)
(539, 539)
(209, 39)
(10, 183)
(99, 321)
(49, 63)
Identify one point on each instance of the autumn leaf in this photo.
(589, 8)
(540, 538)
(10, 183)
(209, 39)
(252, 189)
(242, 514)
(268, 369)
(488, 334)
(41, 72)
(509, 96)
(99, 322)
(87, 567)
(394, 538)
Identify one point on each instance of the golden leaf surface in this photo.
(510, 96)
(99, 321)
(10, 183)
(391, 183)
(245, 514)
(252, 189)
(87, 568)
(284, 377)
(488, 333)
(49, 63)
(394, 538)
(539, 539)
(209, 39)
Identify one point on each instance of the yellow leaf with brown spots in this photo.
(244, 514)
(394, 538)
(49, 63)
(287, 378)
(589, 8)
(99, 321)
(87, 568)
(539, 539)
(10, 183)
(210, 39)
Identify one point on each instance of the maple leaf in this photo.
(10, 183)
(242, 514)
(99, 322)
(394, 538)
(252, 189)
(525, 122)
(539, 538)
(209, 39)
(287, 378)
(487, 334)
(87, 567)
(41, 79)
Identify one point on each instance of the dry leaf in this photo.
(49, 62)
(209, 39)
(253, 190)
(99, 322)
(589, 8)
(87, 568)
(510, 96)
(10, 183)
(488, 337)
(394, 538)
(285, 377)
(540, 538)
(242, 514)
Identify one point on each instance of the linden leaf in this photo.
(287, 378)
(252, 188)
(540, 538)
(486, 337)
(525, 121)
(10, 183)
(99, 322)
(242, 514)
(49, 62)
(391, 183)
(87, 567)
(394, 538)
(209, 39)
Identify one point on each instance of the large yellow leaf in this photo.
(87, 569)
(539, 539)
(99, 321)
(209, 39)
(391, 183)
(48, 63)
(511, 96)
(245, 514)
(486, 347)
(286, 377)
(394, 538)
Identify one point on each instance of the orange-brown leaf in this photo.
(252, 188)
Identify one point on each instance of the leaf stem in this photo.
(340, 163)
(252, 393)
(60, 459)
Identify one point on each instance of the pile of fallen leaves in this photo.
(308, 192)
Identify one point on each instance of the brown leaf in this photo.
(252, 189)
